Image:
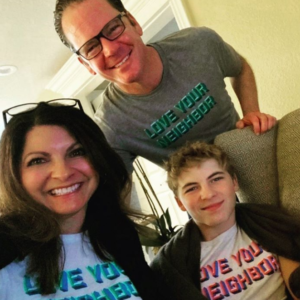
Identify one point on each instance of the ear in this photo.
(86, 64)
(134, 23)
(235, 183)
(179, 203)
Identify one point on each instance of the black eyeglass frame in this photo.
(58, 100)
(100, 34)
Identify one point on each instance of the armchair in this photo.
(267, 166)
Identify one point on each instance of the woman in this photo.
(62, 188)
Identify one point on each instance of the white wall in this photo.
(267, 34)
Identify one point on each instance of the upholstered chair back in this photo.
(268, 165)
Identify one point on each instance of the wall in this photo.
(267, 34)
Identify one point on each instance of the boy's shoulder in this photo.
(179, 246)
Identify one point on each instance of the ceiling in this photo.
(30, 43)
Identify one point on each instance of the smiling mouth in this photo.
(66, 190)
(213, 206)
(122, 62)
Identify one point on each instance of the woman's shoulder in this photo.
(8, 251)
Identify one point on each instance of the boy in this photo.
(225, 242)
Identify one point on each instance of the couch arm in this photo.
(288, 158)
(254, 158)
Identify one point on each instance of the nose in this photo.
(206, 192)
(61, 170)
(109, 48)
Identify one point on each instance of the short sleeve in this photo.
(228, 58)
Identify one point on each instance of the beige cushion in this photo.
(254, 158)
(288, 160)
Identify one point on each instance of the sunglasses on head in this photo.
(27, 107)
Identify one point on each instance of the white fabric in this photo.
(85, 277)
(233, 256)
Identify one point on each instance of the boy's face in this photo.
(207, 193)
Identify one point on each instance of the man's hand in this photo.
(245, 88)
(261, 122)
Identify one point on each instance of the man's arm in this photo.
(245, 88)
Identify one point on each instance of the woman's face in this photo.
(56, 173)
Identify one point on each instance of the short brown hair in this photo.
(62, 5)
(194, 154)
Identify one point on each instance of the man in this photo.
(221, 252)
(160, 94)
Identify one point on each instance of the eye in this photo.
(77, 152)
(90, 48)
(113, 29)
(216, 179)
(35, 161)
(191, 189)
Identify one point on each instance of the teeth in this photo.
(63, 191)
(122, 62)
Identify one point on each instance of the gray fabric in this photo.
(178, 261)
(195, 61)
(254, 158)
(288, 160)
(268, 166)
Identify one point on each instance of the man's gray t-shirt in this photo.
(190, 103)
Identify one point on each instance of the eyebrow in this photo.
(35, 153)
(72, 146)
(76, 143)
(209, 177)
(216, 173)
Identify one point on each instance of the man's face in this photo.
(120, 60)
(207, 193)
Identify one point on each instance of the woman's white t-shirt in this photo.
(84, 277)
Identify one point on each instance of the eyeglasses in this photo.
(112, 30)
(27, 107)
